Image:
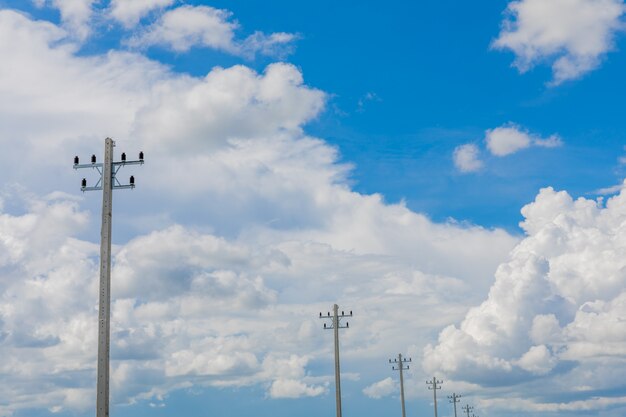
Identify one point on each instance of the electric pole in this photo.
(454, 398)
(107, 183)
(434, 385)
(336, 325)
(467, 409)
(399, 366)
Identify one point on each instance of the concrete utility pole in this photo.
(454, 398)
(467, 409)
(336, 325)
(107, 183)
(434, 385)
(399, 366)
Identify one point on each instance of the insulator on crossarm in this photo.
(132, 180)
(320, 314)
(123, 157)
(83, 183)
(347, 324)
(76, 160)
(93, 159)
(324, 325)
(141, 156)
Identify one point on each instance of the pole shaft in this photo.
(435, 393)
(401, 384)
(454, 401)
(104, 311)
(337, 376)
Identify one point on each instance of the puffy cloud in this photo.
(228, 104)
(466, 158)
(572, 34)
(130, 12)
(290, 388)
(254, 221)
(508, 139)
(556, 308)
(75, 14)
(187, 26)
(381, 388)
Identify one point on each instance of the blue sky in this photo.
(451, 171)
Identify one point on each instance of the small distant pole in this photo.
(454, 398)
(107, 183)
(336, 325)
(398, 365)
(467, 409)
(434, 385)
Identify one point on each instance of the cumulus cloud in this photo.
(381, 388)
(75, 14)
(259, 221)
(573, 35)
(188, 26)
(509, 139)
(130, 12)
(289, 388)
(466, 158)
(556, 308)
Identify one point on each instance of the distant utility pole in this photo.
(398, 365)
(434, 385)
(467, 409)
(454, 398)
(107, 183)
(336, 325)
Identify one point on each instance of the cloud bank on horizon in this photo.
(261, 221)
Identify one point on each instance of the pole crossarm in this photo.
(398, 363)
(330, 317)
(106, 183)
(467, 408)
(335, 325)
(115, 167)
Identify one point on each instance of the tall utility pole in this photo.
(454, 398)
(336, 325)
(399, 366)
(467, 409)
(107, 183)
(434, 385)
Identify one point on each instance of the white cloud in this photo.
(506, 140)
(187, 26)
(510, 138)
(256, 221)
(381, 388)
(573, 35)
(466, 158)
(556, 308)
(75, 14)
(228, 104)
(130, 12)
(290, 388)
